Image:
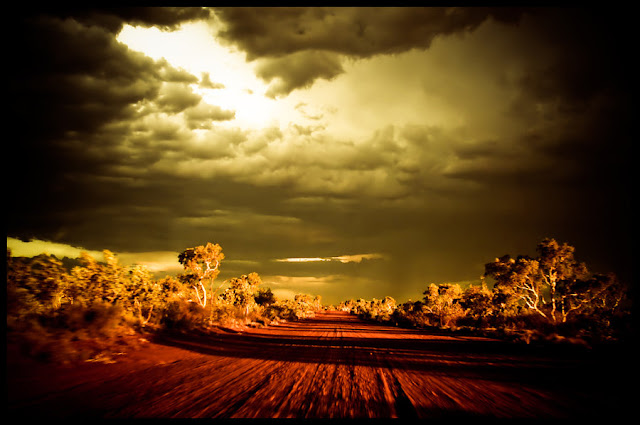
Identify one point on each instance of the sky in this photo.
(342, 152)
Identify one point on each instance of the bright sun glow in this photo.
(193, 47)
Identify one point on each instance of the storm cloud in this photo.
(299, 45)
(404, 145)
(363, 31)
(298, 70)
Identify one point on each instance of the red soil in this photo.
(332, 366)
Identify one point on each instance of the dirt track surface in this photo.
(332, 366)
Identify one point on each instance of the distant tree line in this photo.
(549, 296)
(97, 300)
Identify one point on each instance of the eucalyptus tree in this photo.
(242, 290)
(443, 302)
(553, 285)
(201, 264)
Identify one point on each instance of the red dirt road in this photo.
(332, 366)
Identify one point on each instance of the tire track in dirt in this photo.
(272, 399)
(425, 391)
(332, 366)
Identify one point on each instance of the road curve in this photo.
(331, 366)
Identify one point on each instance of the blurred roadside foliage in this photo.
(49, 307)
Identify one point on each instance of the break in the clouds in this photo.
(436, 138)
(341, 258)
(36, 247)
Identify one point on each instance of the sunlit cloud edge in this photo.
(354, 258)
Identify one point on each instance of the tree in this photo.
(554, 285)
(34, 286)
(478, 302)
(46, 279)
(143, 293)
(376, 309)
(559, 267)
(443, 301)
(346, 305)
(304, 305)
(413, 313)
(172, 289)
(317, 303)
(599, 296)
(264, 297)
(241, 291)
(93, 281)
(518, 278)
(202, 263)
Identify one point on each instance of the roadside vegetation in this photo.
(550, 298)
(58, 314)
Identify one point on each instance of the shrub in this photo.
(98, 319)
(184, 315)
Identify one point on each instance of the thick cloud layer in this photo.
(75, 91)
(355, 31)
(300, 45)
(435, 139)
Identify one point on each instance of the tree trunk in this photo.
(202, 301)
(553, 301)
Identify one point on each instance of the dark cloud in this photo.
(355, 31)
(175, 97)
(573, 102)
(202, 115)
(297, 70)
(563, 73)
(104, 157)
(67, 73)
(112, 19)
(70, 66)
(588, 60)
(73, 87)
(300, 45)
